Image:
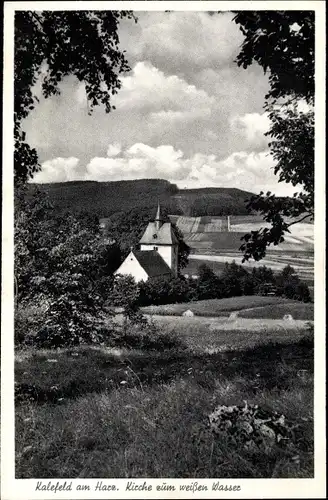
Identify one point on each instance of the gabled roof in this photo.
(152, 262)
(162, 236)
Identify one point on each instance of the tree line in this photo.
(233, 281)
(106, 199)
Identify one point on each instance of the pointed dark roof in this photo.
(152, 262)
(158, 214)
(162, 236)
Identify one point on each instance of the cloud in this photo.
(249, 171)
(114, 150)
(184, 90)
(138, 162)
(59, 170)
(150, 90)
(252, 127)
(182, 42)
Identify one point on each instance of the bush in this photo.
(160, 291)
(289, 285)
(234, 281)
(27, 322)
(209, 285)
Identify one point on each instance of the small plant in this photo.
(252, 427)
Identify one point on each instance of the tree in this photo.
(160, 290)
(60, 266)
(125, 293)
(50, 45)
(232, 277)
(282, 42)
(289, 285)
(209, 285)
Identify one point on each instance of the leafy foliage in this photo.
(62, 265)
(234, 281)
(289, 285)
(209, 284)
(283, 44)
(163, 291)
(124, 293)
(53, 44)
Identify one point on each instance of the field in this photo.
(212, 243)
(214, 234)
(299, 311)
(118, 412)
(263, 307)
(304, 265)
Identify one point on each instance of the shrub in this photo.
(209, 285)
(289, 285)
(233, 277)
(27, 322)
(160, 291)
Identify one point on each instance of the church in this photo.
(158, 254)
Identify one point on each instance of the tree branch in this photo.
(38, 20)
(300, 220)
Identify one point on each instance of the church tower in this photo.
(159, 236)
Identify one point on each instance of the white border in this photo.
(250, 488)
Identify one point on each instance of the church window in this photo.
(155, 248)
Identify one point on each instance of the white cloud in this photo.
(183, 90)
(248, 171)
(252, 127)
(114, 150)
(182, 42)
(59, 170)
(149, 89)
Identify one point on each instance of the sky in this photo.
(185, 112)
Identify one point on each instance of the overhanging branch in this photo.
(300, 220)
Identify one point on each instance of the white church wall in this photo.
(131, 266)
(147, 247)
(166, 254)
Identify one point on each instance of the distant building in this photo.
(158, 254)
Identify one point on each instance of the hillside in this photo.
(105, 198)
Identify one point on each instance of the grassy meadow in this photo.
(117, 412)
(248, 306)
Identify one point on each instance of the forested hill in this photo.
(106, 198)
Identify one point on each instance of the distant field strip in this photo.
(210, 233)
(223, 307)
(189, 326)
(275, 264)
(193, 237)
(188, 224)
(216, 225)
